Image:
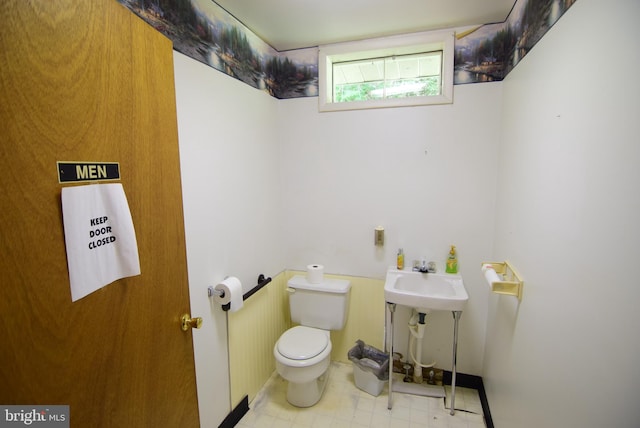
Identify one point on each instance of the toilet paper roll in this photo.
(232, 289)
(490, 274)
(315, 274)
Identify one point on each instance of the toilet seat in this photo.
(302, 343)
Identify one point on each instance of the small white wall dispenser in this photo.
(378, 238)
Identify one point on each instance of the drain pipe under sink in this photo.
(417, 332)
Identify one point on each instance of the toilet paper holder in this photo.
(262, 281)
(511, 283)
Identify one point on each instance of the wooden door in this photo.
(89, 81)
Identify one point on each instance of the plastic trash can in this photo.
(370, 367)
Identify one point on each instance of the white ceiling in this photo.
(292, 24)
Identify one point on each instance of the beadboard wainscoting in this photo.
(253, 331)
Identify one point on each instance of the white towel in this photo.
(99, 235)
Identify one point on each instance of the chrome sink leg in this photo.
(392, 309)
(456, 318)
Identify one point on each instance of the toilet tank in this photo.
(324, 305)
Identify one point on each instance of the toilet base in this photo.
(308, 393)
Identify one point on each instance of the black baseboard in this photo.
(236, 414)
(473, 382)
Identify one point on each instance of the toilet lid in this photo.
(302, 343)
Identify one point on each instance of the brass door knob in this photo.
(188, 322)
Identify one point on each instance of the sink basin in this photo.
(425, 291)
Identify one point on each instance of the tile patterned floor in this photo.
(344, 405)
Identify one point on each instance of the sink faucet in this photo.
(424, 267)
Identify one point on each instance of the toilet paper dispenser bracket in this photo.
(508, 282)
(262, 281)
(212, 291)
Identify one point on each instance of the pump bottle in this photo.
(452, 261)
(400, 259)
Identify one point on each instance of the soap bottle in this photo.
(400, 259)
(452, 261)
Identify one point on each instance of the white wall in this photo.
(566, 214)
(231, 190)
(427, 174)
(568, 218)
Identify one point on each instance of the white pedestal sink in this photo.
(426, 292)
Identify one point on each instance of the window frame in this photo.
(384, 47)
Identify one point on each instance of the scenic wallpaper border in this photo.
(489, 52)
(207, 33)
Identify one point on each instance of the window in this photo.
(391, 77)
(389, 72)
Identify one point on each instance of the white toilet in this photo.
(303, 353)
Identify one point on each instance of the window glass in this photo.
(391, 77)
